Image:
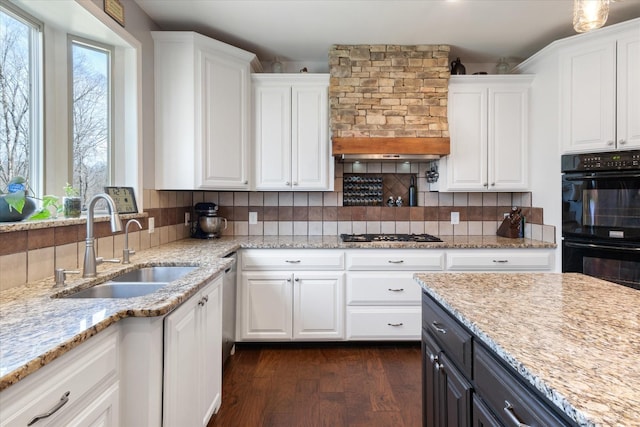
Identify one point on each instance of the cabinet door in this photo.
(430, 391)
(467, 164)
(628, 125)
(508, 134)
(222, 156)
(100, 412)
(265, 306)
(310, 141)
(481, 416)
(318, 300)
(180, 407)
(210, 332)
(272, 132)
(456, 406)
(588, 97)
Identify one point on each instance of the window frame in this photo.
(36, 90)
(98, 46)
(88, 20)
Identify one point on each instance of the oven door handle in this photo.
(598, 246)
(601, 176)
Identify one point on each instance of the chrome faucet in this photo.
(126, 252)
(90, 260)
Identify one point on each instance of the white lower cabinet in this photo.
(299, 305)
(193, 359)
(291, 295)
(81, 388)
(383, 300)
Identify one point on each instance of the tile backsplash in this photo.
(28, 253)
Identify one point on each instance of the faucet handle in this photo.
(61, 275)
(100, 260)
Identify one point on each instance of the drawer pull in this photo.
(399, 261)
(292, 261)
(509, 410)
(501, 261)
(395, 324)
(396, 290)
(63, 400)
(438, 327)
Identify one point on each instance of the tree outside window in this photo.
(91, 108)
(16, 101)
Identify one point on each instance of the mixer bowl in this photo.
(212, 225)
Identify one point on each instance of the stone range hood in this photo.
(389, 102)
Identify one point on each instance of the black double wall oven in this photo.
(601, 215)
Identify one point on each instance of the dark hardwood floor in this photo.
(332, 385)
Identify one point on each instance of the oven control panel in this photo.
(609, 161)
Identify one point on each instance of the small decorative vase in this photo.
(8, 214)
(457, 67)
(503, 66)
(72, 206)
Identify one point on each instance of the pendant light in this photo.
(589, 14)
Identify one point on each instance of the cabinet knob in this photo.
(246, 182)
(610, 142)
(287, 183)
(622, 142)
(485, 185)
(297, 279)
(493, 184)
(295, 183)
(289, 280)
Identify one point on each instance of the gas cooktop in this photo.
(389, 238)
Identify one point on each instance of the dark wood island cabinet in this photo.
(465, 385)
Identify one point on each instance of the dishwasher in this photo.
(229, 309)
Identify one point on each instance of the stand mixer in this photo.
(207, 225)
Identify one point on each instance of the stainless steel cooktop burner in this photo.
(389, 238)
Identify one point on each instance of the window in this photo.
(91, 117)
(87, 130)
(20, 118)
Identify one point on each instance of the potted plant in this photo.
(14, 203)
(72, 204)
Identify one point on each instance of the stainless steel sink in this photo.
(135, 283)
(118, 290)
(164, 274)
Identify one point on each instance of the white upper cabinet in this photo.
(203, 106)
(488, 125)
(291, 132)
(600, 93)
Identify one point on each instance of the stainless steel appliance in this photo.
(389, 238)
(229, 309)
(601, 215)
(207, 223)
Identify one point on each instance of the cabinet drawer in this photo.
(382, 288)
(453, 338)
(503, 260)
(398, 259)
(383, 323)
(510, 400)
(305, 259)
(82, 372)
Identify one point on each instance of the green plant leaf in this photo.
(15, 200)
(50, 200)
(41, 214)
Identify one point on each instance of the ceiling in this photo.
(478, 31)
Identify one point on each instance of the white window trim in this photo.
(86, 19)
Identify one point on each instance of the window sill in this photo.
(6, 227)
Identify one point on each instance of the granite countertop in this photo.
(573, 337)
(36, 328)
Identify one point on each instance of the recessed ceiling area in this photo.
(478, 31)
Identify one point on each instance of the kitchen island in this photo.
(573, 338)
